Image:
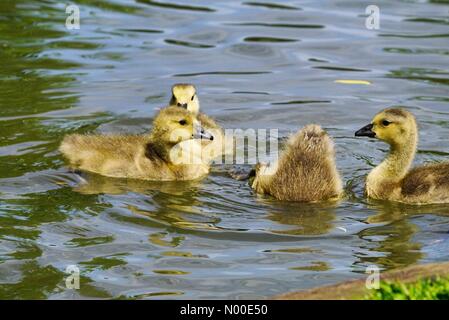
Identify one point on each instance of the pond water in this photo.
(256, 65)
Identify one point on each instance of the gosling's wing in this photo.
(77, 147)
(428, 183)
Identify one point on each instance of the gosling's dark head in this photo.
(184, 96)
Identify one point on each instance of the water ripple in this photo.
(176, 6)
(270, 5)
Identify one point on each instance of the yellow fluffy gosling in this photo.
(392, 179)
(305, 171)
(184, 95)
(150, 157)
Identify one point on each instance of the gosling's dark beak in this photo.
(182, 105)
(366, 131)
(200, 133)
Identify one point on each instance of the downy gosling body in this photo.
(149, 157)
(392, 179)
(184, 95)
(305, 171)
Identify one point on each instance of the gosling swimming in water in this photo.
(184, 95)
(149, 157)
(305, 171)
(392, 179)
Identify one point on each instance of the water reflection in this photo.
(393, 242)
(305, 219)
(97, 184)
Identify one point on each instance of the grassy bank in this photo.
(424, 289)
(418, 282)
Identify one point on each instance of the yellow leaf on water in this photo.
(171, 272)
(353, 82)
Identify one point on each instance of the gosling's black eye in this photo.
(193, 97)
(182, 122)
(179, 104)
(386, 123)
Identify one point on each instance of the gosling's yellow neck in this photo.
(194, 106)
(396, 165)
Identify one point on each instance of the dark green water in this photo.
(257, 65)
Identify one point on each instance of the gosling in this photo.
(184, 95)
(150, 157)
(392, 179)
(305, 171)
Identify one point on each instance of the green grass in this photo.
(425, 289)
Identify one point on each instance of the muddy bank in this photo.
(355, 289)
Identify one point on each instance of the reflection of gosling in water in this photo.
(149, 157)
(184, 95)
(392, 179)
(305, 171)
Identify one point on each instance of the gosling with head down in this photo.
(184, 95)
(305, 172)
(151, 157)
(392, 179)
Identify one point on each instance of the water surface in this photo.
(257, 64)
